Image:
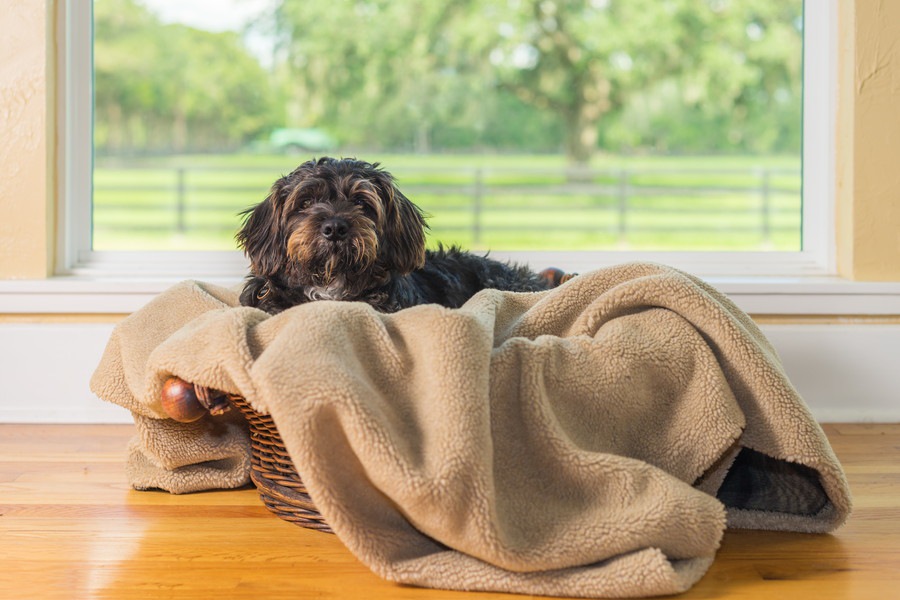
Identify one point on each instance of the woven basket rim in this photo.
(273, 473)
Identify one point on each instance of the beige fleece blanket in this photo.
(592, 440)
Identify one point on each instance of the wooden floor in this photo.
(71, 528)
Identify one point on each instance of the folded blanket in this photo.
(591, 440)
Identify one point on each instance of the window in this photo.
(543, 131)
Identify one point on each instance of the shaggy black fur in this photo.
(449, 278)
(341, 230)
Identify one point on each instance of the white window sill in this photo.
(86, 295)
(797, 295)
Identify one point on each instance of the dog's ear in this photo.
(255, 289)
(403, 227)
(262, 235)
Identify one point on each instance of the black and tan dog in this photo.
(339, 229)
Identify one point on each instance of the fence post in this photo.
(765, 208)
(180, 201)
(622, 226)
(477, 206)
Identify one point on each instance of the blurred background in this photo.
(515, 124)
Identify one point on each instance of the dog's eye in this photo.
(363, 204)
(263, 291)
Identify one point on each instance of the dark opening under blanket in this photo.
(590, 440)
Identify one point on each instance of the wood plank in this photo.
(70, 527)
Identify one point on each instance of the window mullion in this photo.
(75, 132)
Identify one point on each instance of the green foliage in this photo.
(635, 76)
(668, 75)
(170, 87)
(739, 90)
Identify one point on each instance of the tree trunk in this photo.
(582, 121)
(581, 141)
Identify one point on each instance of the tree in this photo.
(665, 75)
(590, 60)
(705, 74)
(172, 87)
(742, 92)
(381, 73)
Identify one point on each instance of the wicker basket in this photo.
(271, 469)
(272, 472)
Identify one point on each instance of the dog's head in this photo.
(334, 227)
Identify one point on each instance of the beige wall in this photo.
(24, 175)
(868, 217)
(868, 168)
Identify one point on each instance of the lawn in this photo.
(510, 202)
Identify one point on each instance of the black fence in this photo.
(618, 202)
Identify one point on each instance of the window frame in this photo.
(75, 256)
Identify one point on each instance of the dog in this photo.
(340, 229)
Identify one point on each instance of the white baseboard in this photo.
(46, 369)
(846, 373)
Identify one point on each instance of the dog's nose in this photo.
(335, 229)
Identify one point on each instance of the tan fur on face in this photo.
(306, 247)
(365, 190)
(282, 235)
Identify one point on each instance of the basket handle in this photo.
(185, 402)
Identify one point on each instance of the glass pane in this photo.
(515, 124)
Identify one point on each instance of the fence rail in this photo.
(623, 196)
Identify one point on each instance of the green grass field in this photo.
(500, 202)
